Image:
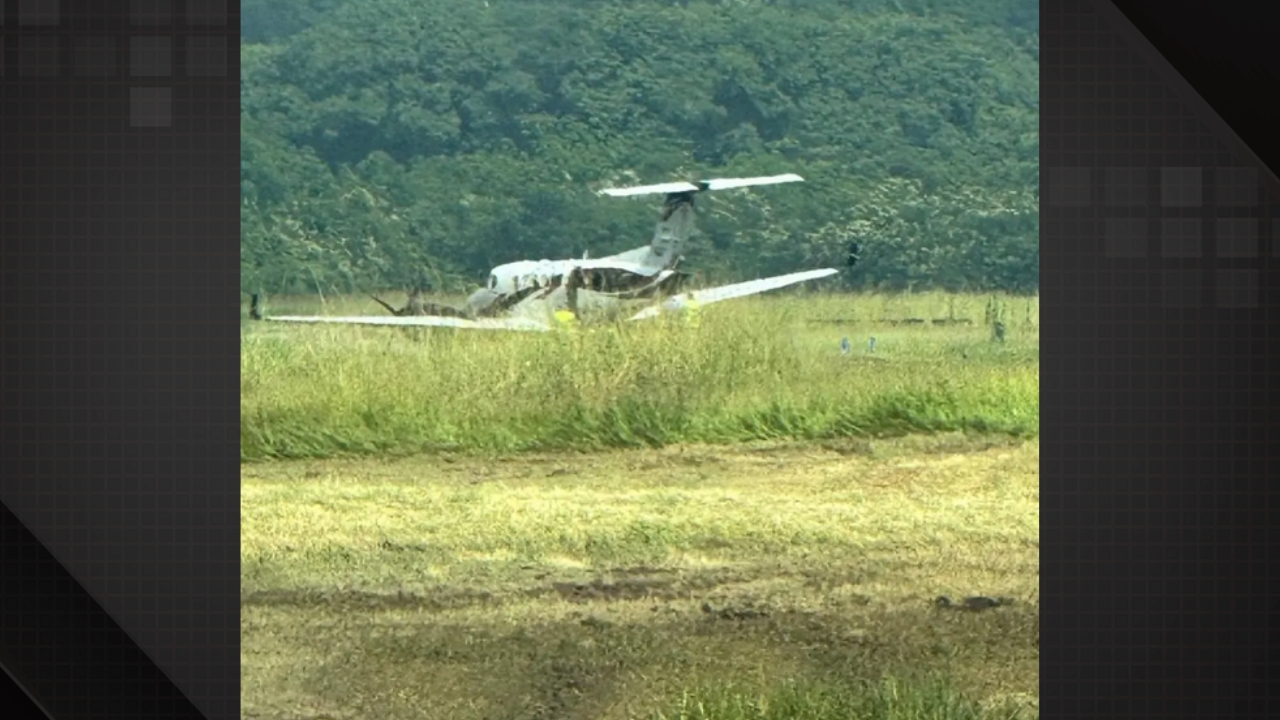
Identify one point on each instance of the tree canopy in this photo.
(397, 142)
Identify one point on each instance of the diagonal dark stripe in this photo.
(118, 356)
(66, 651)
(16, 698)
(1225, 51)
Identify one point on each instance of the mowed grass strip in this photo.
(752, 581)
(752, 369)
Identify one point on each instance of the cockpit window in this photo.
(493, 282)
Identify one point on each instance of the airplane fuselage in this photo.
(516, 286)
(516, 276)
(615, 273)
(586, 301)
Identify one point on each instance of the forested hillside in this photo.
(395, 142)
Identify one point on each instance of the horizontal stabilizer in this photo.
(717, 184)
(729, 292)
(730, 183)
(513, 323)
(664, 189)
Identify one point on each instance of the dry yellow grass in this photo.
(601, 585)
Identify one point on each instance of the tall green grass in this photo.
(891, 699)
(759, 368)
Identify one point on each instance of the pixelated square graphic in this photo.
(38, 55)
(1236, 186)
(207, 56)
(151, 12)
(39, 12)
(1180, 186)
(1180, 238)
(150, 107)
(150, 56)
(95, 56)
(1236, 237)
(1180, 288)
(1125, 238)
(1125, 186)
(206, 12)
(1067, 187)
(1237, 288)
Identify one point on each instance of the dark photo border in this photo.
(1159, 208)
(119, 450)
(119, 214)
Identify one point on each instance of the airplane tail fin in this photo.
(672, 231)
(678, 218)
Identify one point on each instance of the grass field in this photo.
(720, 521)
(751, 369)
(610, 584)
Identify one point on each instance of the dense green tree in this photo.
(393, 142)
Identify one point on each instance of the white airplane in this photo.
(538, 295)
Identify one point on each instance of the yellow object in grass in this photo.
(691, 312)
(566, 318)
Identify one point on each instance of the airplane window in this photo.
(493, 282)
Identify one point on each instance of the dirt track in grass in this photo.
(602, 585)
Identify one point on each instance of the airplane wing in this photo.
(526, 323)
(728, 292)
(511, 323)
